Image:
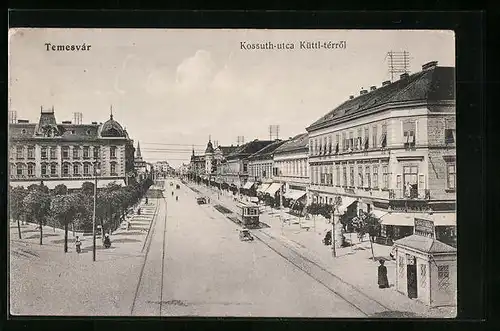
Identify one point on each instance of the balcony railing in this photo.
(412, 194)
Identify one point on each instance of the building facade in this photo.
(291, 167)
(66, 153)
(392, 151)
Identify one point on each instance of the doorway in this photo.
(411, 274)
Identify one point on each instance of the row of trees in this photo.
(63, 208)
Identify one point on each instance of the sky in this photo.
(174, 88)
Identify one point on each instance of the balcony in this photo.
(412, 194)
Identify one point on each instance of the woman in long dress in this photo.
(383, 282)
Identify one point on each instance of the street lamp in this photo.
(97, 172)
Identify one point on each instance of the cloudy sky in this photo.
(171, 89)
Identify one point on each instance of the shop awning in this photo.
(379, 213)
(400, 219)
(444, 219)
(294, 194)
(346, 202)
(248, 185)
(273, 188)
(408, 219)
(263, 188)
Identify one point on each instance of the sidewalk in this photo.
(354, 265)
(46, 281)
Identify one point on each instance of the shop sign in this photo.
(423, 227)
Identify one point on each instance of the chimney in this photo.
(403, 76)
(23, 121)
(373, 88)
(429, 65)
(363, 91)
(94, 123)
(385, 83)
(66, 122)
(351, 97)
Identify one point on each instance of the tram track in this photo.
(365, 304)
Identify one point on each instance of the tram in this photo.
(248, 214)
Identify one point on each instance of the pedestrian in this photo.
(383, 282)
(78, 245)
(176, 198)
(128, 225)
(147, 200)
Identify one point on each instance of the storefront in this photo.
(426, 269)
(396, 225)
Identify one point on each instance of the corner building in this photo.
(391, 151)
(66, 153)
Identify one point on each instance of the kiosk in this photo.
(426, 269)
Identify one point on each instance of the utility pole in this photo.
(336, 203)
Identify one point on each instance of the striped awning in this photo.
(294, 194)
(248, 185)
(273, 188)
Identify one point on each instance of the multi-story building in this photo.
(161, 167)
(291, 167)
(197, 166)
(260, 165)
(220, 154)
(235, 169)
(66, 153)
(391, 151)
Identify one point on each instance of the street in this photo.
(197, 266)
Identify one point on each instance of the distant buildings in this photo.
(67, 153)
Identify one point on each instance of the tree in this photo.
(87, 188)
(37, 207)
(64, 209)
(367, 223)
(60, 189)
(17, 195)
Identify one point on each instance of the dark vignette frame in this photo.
(471, 157)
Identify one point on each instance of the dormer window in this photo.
(88, 132)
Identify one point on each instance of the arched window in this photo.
(65, 169)
(76, 169)
(31, 169)
(53, 169)
(86, 169)
(20, 169)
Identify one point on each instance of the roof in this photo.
(425, 244)
(266, 152)
(112, 128)
(248, 149)
(227, 149)
(428, 86)
(210, 147)
(299, 142)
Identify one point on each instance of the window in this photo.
(344, 174)
(409, 133)
(65, 152)
(76, 152)
(113, 168)
(366, 143)
(321, 175)
(337, 177)
(86, 169)
(385, 177)
(351, 140)
(398, 181)
(245, 167)
(310, 147)
(449, 136)
(86, 152)
(112, 152)
(316, 150)
(44, 169)
(53, 153)
(96, 152)
(44, 153)
(360, 176)
(352, 176)
(31, 170)
(451, 175)
(375, 176)
(53, 169)
(359, 139)
(368, 177)
(337, 143)
(344, 142)
(410, 174)
(383, 137)
(31, 153)
(20, 169)
(443, 277)
(374, 136)
(76, 169)
(66, 169)
(19, 152)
